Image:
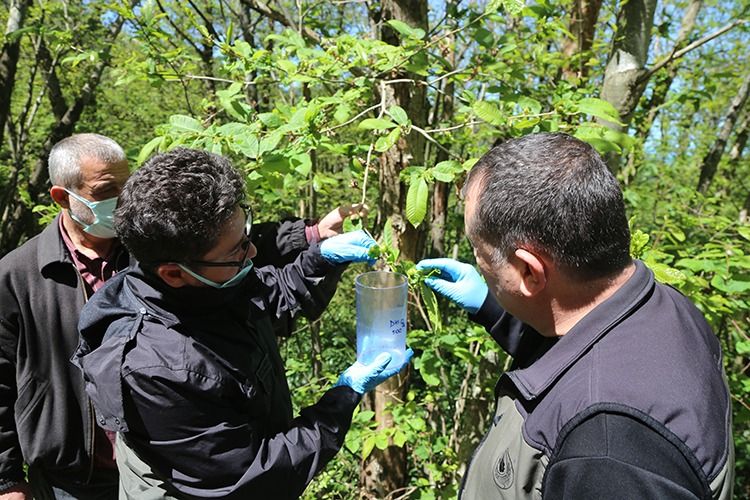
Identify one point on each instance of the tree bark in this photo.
(384, 473)
(9, 55)
(582, 26)
(622, 85)
(710, 162)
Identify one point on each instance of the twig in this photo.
(429, 138)
(679, 53)
(331, 129)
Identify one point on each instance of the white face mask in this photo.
(104, 215)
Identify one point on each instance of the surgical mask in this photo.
(233, 281)
(104, 215)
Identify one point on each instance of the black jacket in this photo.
(632, 402)
(194, 380)
(46, 419)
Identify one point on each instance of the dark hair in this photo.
(175, 206)
(554, 193)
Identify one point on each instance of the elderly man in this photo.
(617, 388)
(179, 353)
(46, 419)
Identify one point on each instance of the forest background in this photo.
(322, 103)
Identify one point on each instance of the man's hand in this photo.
(459, 282)
(364, 378)
(21, 491)
(333, 223)
(348, 247)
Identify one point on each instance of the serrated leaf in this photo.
(248, 145)
(666, 274)
(416, 201)
(488, 112)
(376, 124)
(184, 123)
(388, 237)
(399, 115)
(445, 171)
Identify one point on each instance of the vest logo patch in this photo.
(502, 472)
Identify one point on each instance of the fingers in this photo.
(380, 362)
(449, 268)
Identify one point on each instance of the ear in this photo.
(533, 273)
(60, 196)
(173, 276)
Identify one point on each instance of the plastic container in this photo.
(381, 316)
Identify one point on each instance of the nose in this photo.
(252, 251)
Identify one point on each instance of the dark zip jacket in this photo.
(194, 380)
(631, 403)
(45, 416)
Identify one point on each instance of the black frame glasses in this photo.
(245, 245)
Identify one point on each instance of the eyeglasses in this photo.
(245, 246)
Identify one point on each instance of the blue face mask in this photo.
(104, 216)
(233, 281)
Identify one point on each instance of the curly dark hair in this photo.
(174, 207)
(553, 192)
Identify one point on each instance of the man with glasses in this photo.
(46, 419)
(179, 352)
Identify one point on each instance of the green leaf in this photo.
(149, 148)
(428, 368)
(388, 237)
(248, 145)
(488, 112)
(446, 171)
(381, 440)
(367, 446)
(399, 115)
(638, 242)
(512, 7)
(728, 285)
(431, 304)
(399, 438)
(184, 123)
(666, 274)
(386, 142)
(406, 30)
(744, 231)
(599, 108)
(376, 124)
(416, 201)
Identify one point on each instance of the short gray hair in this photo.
(65, 157)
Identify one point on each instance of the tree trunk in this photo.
(9, 55)
(384, 473)
(582, 26)
(710, 162)
(17, 218)
(622, 87)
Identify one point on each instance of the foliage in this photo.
(308, 120)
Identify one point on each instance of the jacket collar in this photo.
(537, 378)
(175, 305)
(51, 248)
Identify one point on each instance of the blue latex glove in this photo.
(348, 247)
(364, 378)
(459, 282)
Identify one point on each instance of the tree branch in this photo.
(676, 54)
(262, 8)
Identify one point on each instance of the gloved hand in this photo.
(364, 378)
(459, 282)
(348, 247)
